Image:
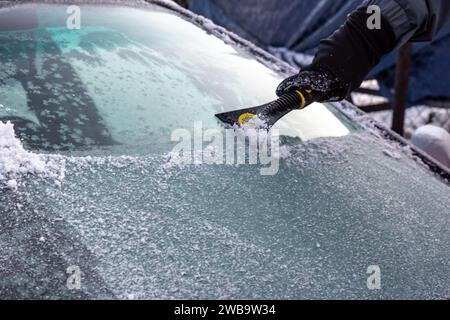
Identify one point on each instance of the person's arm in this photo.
(345, 58)
(414, 20)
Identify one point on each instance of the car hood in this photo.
(143, 227)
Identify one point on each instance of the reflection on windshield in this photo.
(59, 112)
(303, 124)
(116, 82)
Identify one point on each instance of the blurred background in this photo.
(408, 89)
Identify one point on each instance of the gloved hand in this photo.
(324, 86)
(344, 59)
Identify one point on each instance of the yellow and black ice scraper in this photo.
(271, 112)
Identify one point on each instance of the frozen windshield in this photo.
(116, 82)
(106, 197)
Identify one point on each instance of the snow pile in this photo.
(16, 162)
(435, 141)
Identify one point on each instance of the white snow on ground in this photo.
(417, 117)
(16, 162)
(435, 141)
(364, 100)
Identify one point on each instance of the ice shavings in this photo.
(252, 135)
(16, 162)
(254, 123)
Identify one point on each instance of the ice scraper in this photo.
(270, 112)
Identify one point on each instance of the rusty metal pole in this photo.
(401, 88)
(182, 3)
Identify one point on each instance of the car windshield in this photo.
(114, 82)
(95, 186)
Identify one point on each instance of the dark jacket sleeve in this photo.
(353, 50)
(414, 20)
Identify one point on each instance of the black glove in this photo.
(324, 85)
(344, 59)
